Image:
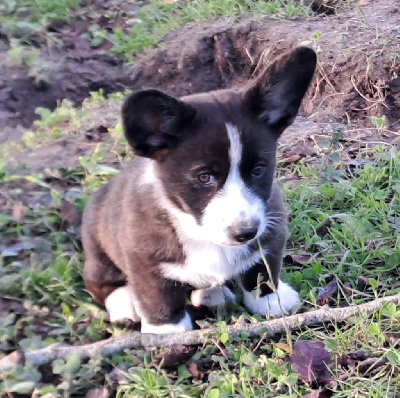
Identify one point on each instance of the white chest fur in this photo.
(208, 264)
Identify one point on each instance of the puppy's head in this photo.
(214, 153)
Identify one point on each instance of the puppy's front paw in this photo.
(212, 297)
(183, 325)
(269, 305)
(120, 305)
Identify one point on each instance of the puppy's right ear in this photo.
(153, 122)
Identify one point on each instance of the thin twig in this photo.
(262, 338)
(249, 55)
(215, 342)
(374, 102)
(139, 340)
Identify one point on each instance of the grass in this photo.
(24, 21)
(25, 26)
(158, 18)
(24, 18)
(67, 120)
(345, 224)
(349, 219)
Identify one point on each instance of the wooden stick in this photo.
(137, 339)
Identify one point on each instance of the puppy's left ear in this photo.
(276, 95)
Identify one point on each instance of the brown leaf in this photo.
(369, 365)
(393, 340)
(193, 369)
(98, 393)
(284, 347)
(174, 356)
(38, 198)
(324, 393)
(348, 290)
(95, 134)
(313, 394)
(363, 283)
(351, 359)
(103, 21)
(301, 258)
(326, 292)
(293, 158)
(118, 374)
(17, 248)
(311, 361)
(302, 149)
(307, 107)
(70, 217)
(18, 212)
(8, 306)
(323, 229)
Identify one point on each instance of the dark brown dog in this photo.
(186, 215)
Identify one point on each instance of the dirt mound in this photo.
(358, 60)
(21, 94)
(357, 73)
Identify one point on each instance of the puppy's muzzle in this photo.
(243, 232)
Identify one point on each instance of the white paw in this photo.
(268, 305)
(212, 297)
(120, 305)
(183, 325)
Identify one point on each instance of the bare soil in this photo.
(358, 73)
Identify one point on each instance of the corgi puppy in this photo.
(193, 208)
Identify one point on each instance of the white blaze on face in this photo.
(234, 203)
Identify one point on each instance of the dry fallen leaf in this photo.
(351, 359)
(311, 361)
(301, 258)
(95, 134)
(293, 158)
(17, 248)
(284, 347)
(18, 212)
(174, 356)
(326, 292)
(323, 229)
(193, 369)
(308, 107)
(369, 366)
(98, 393)
(324, 393)
(8, 306)
(312, 394)
(70, 217)
(118, 374)
(38, 198)
(301, 149)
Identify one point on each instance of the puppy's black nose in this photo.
(244, 232)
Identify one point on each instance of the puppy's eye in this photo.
(257, 170)
(206, 178)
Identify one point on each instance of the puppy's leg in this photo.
(215, 296)
(259, 298)
(121, 304)
(160, 302)
(107, 285)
